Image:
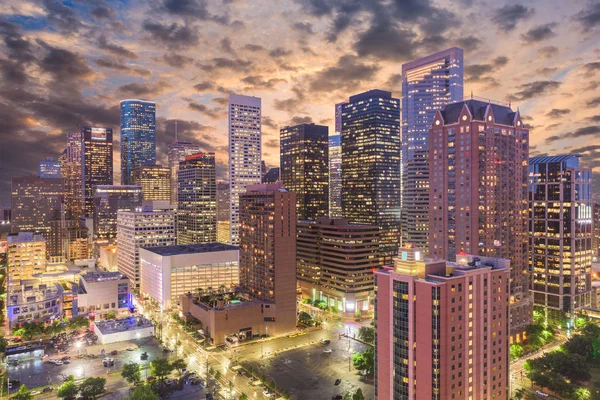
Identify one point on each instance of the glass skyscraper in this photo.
(428, 84)
(97, 163)
(178, 150)
(335, 176)
(138, 136)
(49, 168)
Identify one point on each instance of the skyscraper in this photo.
(271, 176)
(26, 256)
(109, 199)
(478, 192)
(335, 177)
(596, 232)
(49, 168)
(244, 152)
(138, 136)
(71, 171)
(155, 181)
(268, 250)
(223, 203)
(177, 152)
(428, 84)
(371, 165)
(197, 200)
(97, 163)
(304, 168)
(560, 229)
(442, 328)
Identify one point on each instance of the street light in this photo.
(78, 345)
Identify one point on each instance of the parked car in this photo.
(327, 351)
(325, 341)
(539, 393)
(144, 356)
(114, 353)
(48, 389)
(66, 358)
(337, 381)
(108, 362)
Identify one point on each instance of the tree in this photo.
(131, 373)
(92, 387)
(68, 390)
(582, 393)
(161, 367)
(358, 395)
(111, 315)
(243, 396)
(348, 396)
(3, 344)
(365, 361)
(366, 334)
(23, 394)
(143, 392)
(516, 351)
(179, 365)
(79, 322)
(304, 317)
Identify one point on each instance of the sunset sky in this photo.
(65, 64)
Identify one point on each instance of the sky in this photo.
(66, 64)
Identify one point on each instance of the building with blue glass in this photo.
(49, 168)
(138, 136)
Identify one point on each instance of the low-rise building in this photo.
(131, 328)
(34, 301)
(101, 293)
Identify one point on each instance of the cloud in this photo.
(594, 118)
(300, 120)
(509, 16)
(481, 72)
(115, 49)
(303, 27)
(595, 102)
(219, 63)
(204, 109)
(204, 86)
(63, 64)
(548, 51)
(268, 122)
(347, 74)
(591, 130)
(273, 143)
(546, 71)
(176, 60)
(469, 43)
(113, 64)
(254, 47)
(279, 52)
(553, 138)
(586, 149)
(589, 17)
(258, 82)
(539, 33)
(143, 90)
(100, 11)
(173, 35)
(557, 112)
(386, 41)
(62, 16)
(590, 69)
(534, 89)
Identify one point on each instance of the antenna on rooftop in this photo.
(471, 94)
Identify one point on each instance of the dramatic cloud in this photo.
(548, 51)
(509, 16)
(589, 17)
(534, 89)
(115, 49)
(539, 33)
(143, 90)
(173, 35)
(347, 74)
(259, 82)
(558, 112)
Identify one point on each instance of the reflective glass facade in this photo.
(177, 152)
(108, 200)
(97, 163)
(335, 176)
(49, 168)
(138, 136)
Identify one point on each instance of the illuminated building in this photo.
(371, 165)
(97, 163)
(138, 136)
(442, 328)
(596, 232)
(177, 152)
(34, 302)
(335, 262)
(478, 192)
(335, 177)
(76, 242)
(72, 174)
(49, 168)
(101, 293)
(304, 168)
(223, 202)
(268, 251)
(26, 256)
(428, 84)
(109, 199)
(155, 181)
(69, 239)
(108, 258)
(197, 199)
(244, 152)
(560, 228)
(148, 227)
(271, 176)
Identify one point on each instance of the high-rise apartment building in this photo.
(442, 329)
(371, 165)
(155, 181)
(26, 256)
(335, 262)
(478, 192)
(268, 251)
(97, 163)
(304, 168)
(71, 170)
(223, 203)
(49, 168)
(109, 199)
(335, 177)
(428, 84)
(148, 227)
(560, 229)
(245, 152)
(138, 136)
(177, 152)
(197, 199)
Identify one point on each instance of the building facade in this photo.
(102, 293)
(335, 176)
(109, 199)
(197, 199)
(371, 165)
(268, 251)
(155, 181)
(49, 168)
(478, 192)
(596, 232)
(335, 262)
(245, 152)
(272, 175)
(97, 163)
(138, 136)
(71, 170)
(223, 203)
(442, 329)
(428, 84)
(34, 302)
(304, 168)
(560, 235)
(25, 257)
(177, 152)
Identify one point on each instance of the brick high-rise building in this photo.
(177, 152)
(442, 328)
(478, 174)
(268, 251)
(155, 181)
(304, 168)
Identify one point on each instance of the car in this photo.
(267, 394)
(114, 353)
(209, 396)
(337, 397)
(108, 362)
(144, 356)
(66, 358)
(337, 382)
(302, 333)
(58, 362)
(167, 350)
(324, 341)
(14, 384)
(15, 363)
(48, 389)
(66, 362)
(130, 348)
(539, 393)
(327, 351)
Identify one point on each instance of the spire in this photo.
(175, 130)
(471, 94)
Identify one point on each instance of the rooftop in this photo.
(33, 293)
(121, 325)
(102, 276)
(191, 248)
(502, 114)
(555, 159)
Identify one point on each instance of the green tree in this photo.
(79, 322)
(68, 390)
(366, 334)
(23, 394)
(179, 365)
(3, 344)
(161, 368)
(304, 317)
(131, 372)
(358, 395)
(516, 351)
(348, 396)
(92, 387)
(143, 392)
(243, 396)
(582, 393)
(365, 361)
(111, 315)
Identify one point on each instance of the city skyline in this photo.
(111, 65)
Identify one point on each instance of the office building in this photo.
(71, 170)
(223, 203)
(34, 302)
(97, 163)
(169, 272)
(146, 228)
(34, 202)
(49, 168)
(109, 199)
(335, 177)
(155, 181)
(69, 239)
(245, 152)
(108, 258)
(478, 192)
(271, 176)
(138, 136)
(560, 235)
(428, 84)
(103, 293)
(178, 150)
(197, 199)
(371, 165)
(335, 262)
(26, 256)
(268, 251)
(596, 232)
(442, 328)
(304, 168)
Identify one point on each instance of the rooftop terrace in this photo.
(191, 248)
(121, 325)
